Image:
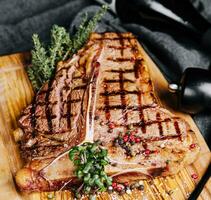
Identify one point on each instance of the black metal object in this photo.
(194, 90)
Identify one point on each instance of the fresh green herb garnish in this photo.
(85, 28)
(90, 161)
(61, 47)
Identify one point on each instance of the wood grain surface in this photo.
(16, 93)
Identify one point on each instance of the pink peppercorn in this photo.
(147, 151)
(119, 188)
(114, 184)
(111, 126)
(125, 138)
(126, 183)
(192, 146)
(156, 151)
(132, 138)
(137, 140)
(167, 167)
(194, 176)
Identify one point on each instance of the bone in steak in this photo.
(101, 91)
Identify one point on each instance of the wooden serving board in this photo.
(16, 93)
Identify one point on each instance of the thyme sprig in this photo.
(90, 160)
(62, 46)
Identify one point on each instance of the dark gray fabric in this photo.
(204, 7)
(172, 51)
(13, 11)
(17, 37)
(178, 53)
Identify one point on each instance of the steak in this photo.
(99, 94)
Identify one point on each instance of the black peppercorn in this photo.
(120, 141)
(134, 185)
(110, 130)
(96, 117)
(116, 143)
(141, 187)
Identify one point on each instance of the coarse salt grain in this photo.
(162, 145)
(128, 191)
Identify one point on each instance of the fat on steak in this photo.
(102, 91)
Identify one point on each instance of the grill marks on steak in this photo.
(53, 123)
(127, 98)
(106, 83)
(120, 92)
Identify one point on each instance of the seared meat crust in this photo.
(107, 82)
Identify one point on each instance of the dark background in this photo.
(172, 46)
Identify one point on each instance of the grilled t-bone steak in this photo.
(99, 93)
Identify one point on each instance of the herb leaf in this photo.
(61, 47)
(39, 72)
(60, 40)
(86, 28)
(90, 161)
